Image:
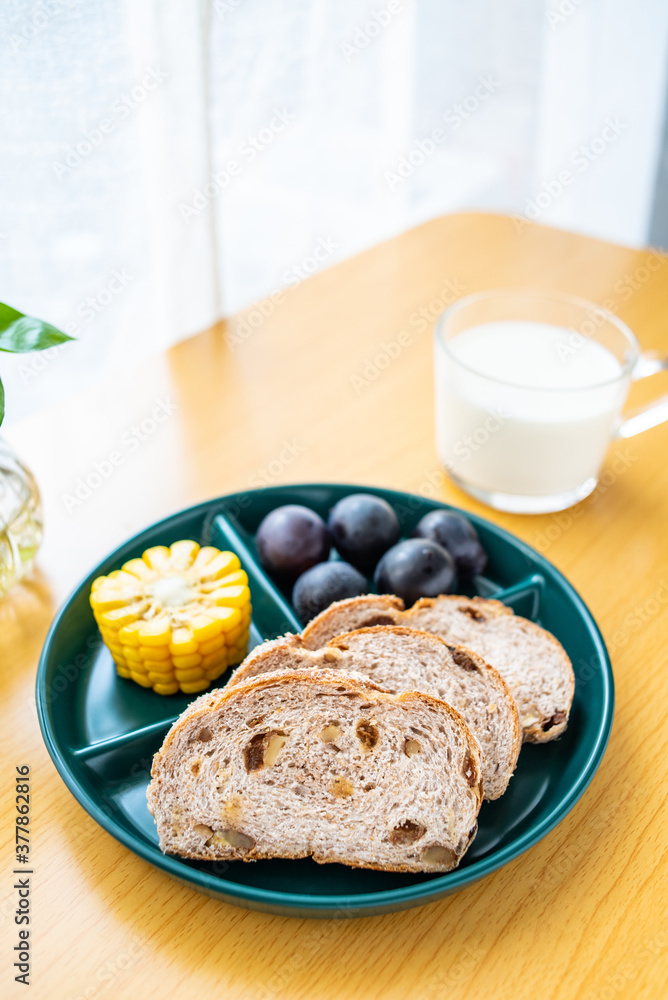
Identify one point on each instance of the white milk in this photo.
(540, 422)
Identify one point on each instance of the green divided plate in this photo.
(102, 730)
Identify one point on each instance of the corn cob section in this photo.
(176, 618)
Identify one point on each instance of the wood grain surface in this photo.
(305, 393)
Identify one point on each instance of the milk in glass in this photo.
(525, 407)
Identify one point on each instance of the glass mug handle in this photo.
(653, 414)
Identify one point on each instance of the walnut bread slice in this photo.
(403, 659)
(317, 763)
(532, 662)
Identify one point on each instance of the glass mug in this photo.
(530, 387)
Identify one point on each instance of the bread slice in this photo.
(403, 659)
(532, 662)
(350, 614)
(317, 763)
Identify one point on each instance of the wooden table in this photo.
(306, 394)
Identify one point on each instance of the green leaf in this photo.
(2, 402)
(20, 333)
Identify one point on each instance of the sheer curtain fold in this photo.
(165, 163)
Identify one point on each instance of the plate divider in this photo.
(263, 589)
(533, 585)
(114, 742)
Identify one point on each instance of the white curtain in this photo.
(167, 162)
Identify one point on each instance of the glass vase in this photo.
(20, 519)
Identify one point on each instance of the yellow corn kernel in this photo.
(154, 652)
(233, 636)
(183, 642)
(205, 555)
(132, 653)
(213, 659)
(205, 627)
(205, 648)
(183, 553)
(123, 671)
(186, 662)
(194, 686)
(121, 616)
(224, 562)
(194, 674)
(142, 679)
(138, 568)
(160, 678)
(157, 558)
(110, 636)
(228, 617)
(129, 635)
(232, 597)
(214, 672)
(158, 666)
(156, 632)
(238, 577)
(241, 644)
(170, 688)
(104, 601)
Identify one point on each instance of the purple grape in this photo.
(363, 527)
(291, 539)
(319, 586)
(458, 536)
(416, 568)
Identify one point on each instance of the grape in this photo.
(458, 536)
(363, 527)
(319, 586)
(291, 539)
(416, 568)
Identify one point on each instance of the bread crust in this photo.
(386, 605)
